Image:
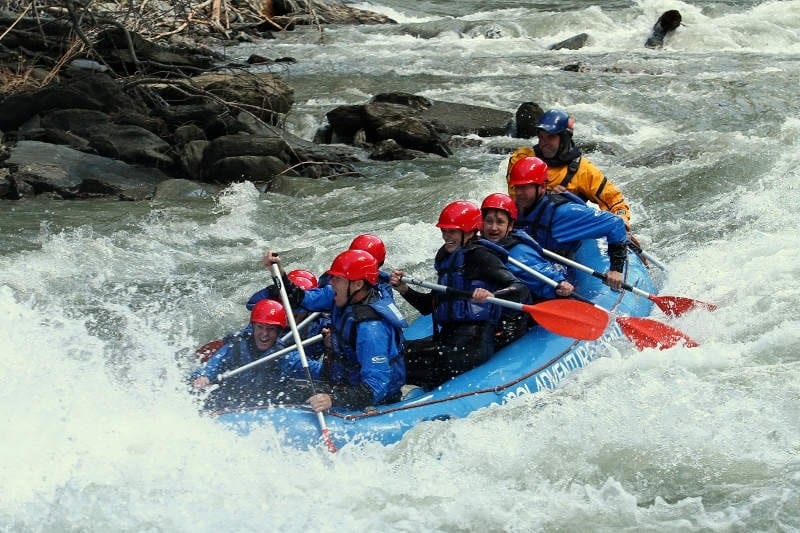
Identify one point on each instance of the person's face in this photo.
(528, 194)
(343, 288)
(265, 335)
(549, 143)
(452, 239)
(496, 225)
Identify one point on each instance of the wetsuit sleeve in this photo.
(482, 264)
(292, 366)
(531, 258)
(423, 302)
(617, 253)
(375, 348)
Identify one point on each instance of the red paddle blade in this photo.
(208, 349)
(677, 305)
(326, 437)
(649, 333)
(569, 318)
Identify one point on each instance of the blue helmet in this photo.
(555, 121)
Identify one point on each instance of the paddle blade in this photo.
(649, 333)
(677, 305)
(569, 318)
(208, 349)
(326, 437)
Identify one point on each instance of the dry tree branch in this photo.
(73, 49)
(20, 17)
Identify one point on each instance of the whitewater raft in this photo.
(539, 360)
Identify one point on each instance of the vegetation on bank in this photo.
(139, 82)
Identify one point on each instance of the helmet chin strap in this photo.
(352, 294)
(541, 189)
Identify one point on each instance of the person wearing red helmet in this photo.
(499, 213)
(305, 280)
(372, 244)
(560, 221)
(364, 366)
(463, 329)
(567, 168)
(262, 383)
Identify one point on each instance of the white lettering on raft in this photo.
(550, 377)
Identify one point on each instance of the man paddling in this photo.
(364, 365)
(499, 213)
(559, 221)
(567, 168)
(264, 383)
(464, 330)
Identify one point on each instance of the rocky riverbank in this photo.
(112, 102)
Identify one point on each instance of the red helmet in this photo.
(303, 279)
(528, 170)
(460, 214)
(268, 312)
(372, 245)
(501, 201)
(355, 265)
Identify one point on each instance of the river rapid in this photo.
(102, 303)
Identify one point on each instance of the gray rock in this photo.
(246, 167)
(179, 189)
(575, 42)
(40, 167)
(191, 159)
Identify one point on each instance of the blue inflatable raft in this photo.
(539, 360)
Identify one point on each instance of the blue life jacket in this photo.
(450, 272)
(527, 251)
(538, 223)
(236, 351)
(367, 341)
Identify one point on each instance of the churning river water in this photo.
(102, 303)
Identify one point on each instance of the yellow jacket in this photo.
(587, 182)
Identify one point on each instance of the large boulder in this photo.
(130, 143)
(37, 167)
(465, 119)
(264, 94)
(93, 91)
(414, 124)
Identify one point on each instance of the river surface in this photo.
(103, 302)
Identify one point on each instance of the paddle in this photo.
(671, 305)
(210, 348)
(648, 256)
(649, 333)
(276, 279)
(270, 357)
(643, 332)
(568, 318)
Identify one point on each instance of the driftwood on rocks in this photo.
(133, 84)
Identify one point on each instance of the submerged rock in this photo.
(666, 23)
